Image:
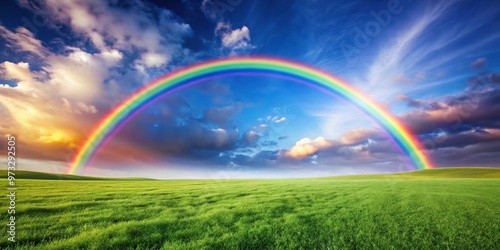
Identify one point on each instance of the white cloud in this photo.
(80, 75)
(19, 71)
(73, 84)
(75, 79)
(112, 28)
(78, 107)
(35, 103)
(23, 40)
(111, 57)
(222, 27)
(413, 55)
(307, 147)
(237, 39)
(392, 60)
(277, 119)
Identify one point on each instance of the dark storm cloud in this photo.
(484, 78)
(467, 124)
(463, 129)
(471, 137)
(425, 104)
(174, 128)
(480, 108)
(483, 154)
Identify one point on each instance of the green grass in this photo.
(428, 174)
(22, 174)
(323, 213)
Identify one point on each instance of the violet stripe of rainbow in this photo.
(401, 135)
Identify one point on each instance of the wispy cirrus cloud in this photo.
(427, 44)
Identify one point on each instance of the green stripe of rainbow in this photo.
(404, 138)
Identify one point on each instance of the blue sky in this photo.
(434, 64)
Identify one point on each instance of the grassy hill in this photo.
(465, 172)
(22, 174)
(471, 172)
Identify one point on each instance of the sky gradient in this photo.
(433, 64)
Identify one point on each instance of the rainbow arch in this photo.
(403, 137)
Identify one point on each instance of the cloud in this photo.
(390, 58)
(16, 71)
(78, 107)
(189, 139)
(471, 108)
(80, 75)
(466, 138)
(85, 74)
(421, 103)
(37, 109)
(274, 119)
(253, 135)
(479, 63)
(221, 116)
(250, 138)
(481, 80)
(307, 147)
(108, 27)
(237, 39)
(23, 40)
(422, 44)
(357, 136)
(460, 129)
(279, 120)
(479, 154)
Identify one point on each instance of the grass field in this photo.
(431, 209)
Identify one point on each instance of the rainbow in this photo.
(403, 137)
